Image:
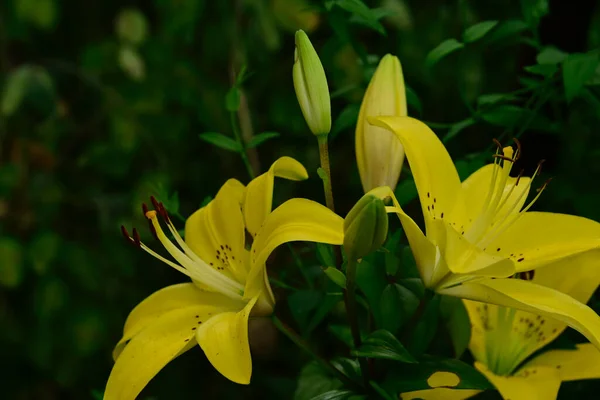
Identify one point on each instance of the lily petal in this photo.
(440, 394)
(224, 339)
(536, 299)
(295, 220)
(216, 232)
(538, 238)
(435, 176)
(151, 349)
(571, 365)
(168, 299)
(540, 383)
(259, 193)
(475, 193)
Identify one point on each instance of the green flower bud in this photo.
(311, 87)
(365, 226)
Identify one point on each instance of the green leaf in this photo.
(551, 55)
(11, 263)
(302, 303)
(233, 99)
(412, 377)
(442, 50)
(371, 280)
(22, 83)
(427, 326)
(361, 13)
(397, 305)
(406, 191)
(346, 119)
(132, 63)
(413, 100)
(505, 30)
(222, 141)
(577, 70)
(545, 70)
(511, 117)
(456, 318)
(40, 13)
(457, 128)
(343, 333)
(533, 11)
(337, 395)
(381, 391)
(313, 381)
(325, 254)
(325, 306)
(261, 138)
(42, 250)
(477, 31)
(131, 26)
(493, 98)
(383, 344)
(336, 276)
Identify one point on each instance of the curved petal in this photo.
(571, 365)
(435, 176)
(294, 220)
(216, 232)
(259, 193)
(151, 349)
(476, 191)
(539, 300)
(170, 298)
(224, 339)
(440, 394)
(538, 238)
(530, 384)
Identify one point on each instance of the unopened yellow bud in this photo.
(379, 153)
(311, 87)
(365, 226)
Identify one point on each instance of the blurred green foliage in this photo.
(104, 104)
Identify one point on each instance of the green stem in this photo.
(350, 299)
(324, 155)
(298, 341)
(238, 139)
(300, 266)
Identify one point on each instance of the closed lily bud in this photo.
(365, 226)
(311, 87)
(379, 153)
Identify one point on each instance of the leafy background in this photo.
(106, 103)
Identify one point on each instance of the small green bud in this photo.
(311, 87)
(365, 226)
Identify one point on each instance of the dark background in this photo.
(96, 119)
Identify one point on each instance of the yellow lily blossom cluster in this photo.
(479, 237)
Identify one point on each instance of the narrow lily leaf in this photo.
(233, 99)
(477, 31)
(338, 395)
(361, 13)
(313, 381)
(456, 318)
(220, 140)
(325, 254)
(261, 138)
(426, 327)
(336, 276)
(324, 307)
(406, 191)
(397, 305)
(457, 128)
(301, 304)
(551, 55)
(545, 70)
(577, 69)
(346, 120)
(383, 344)
(442, 50)
(505, 30)
(371, 280)
(533, 11)
(493, 98)
(413, 100)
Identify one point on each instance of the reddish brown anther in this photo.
(527, 275)
(144, 209)
(136, 238)
(519, 177)
(155, 203)
(544, 185)
(497, 142)
(518, 143)
(504, 157)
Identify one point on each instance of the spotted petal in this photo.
(571, 365)
(259, 193)
(216, 232)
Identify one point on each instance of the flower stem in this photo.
(351, 310)
(324, 155)
(298, 341)
(238, 139)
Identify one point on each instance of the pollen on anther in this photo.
(151, 214)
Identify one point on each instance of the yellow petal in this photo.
(538, 238)
(462, 257)
(379, 154)
(483, 321)
(440, 394)
(216, 232)
(571, 365)
(433, 170)
(476, 188)
(224, 339)
(536, 299)
(163, 301)
(259, 193)
(151, 349)
(531, 384)
(294, 220)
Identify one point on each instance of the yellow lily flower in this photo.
(379, 154)
(229, 282)
(479, 229)
(502, 339)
